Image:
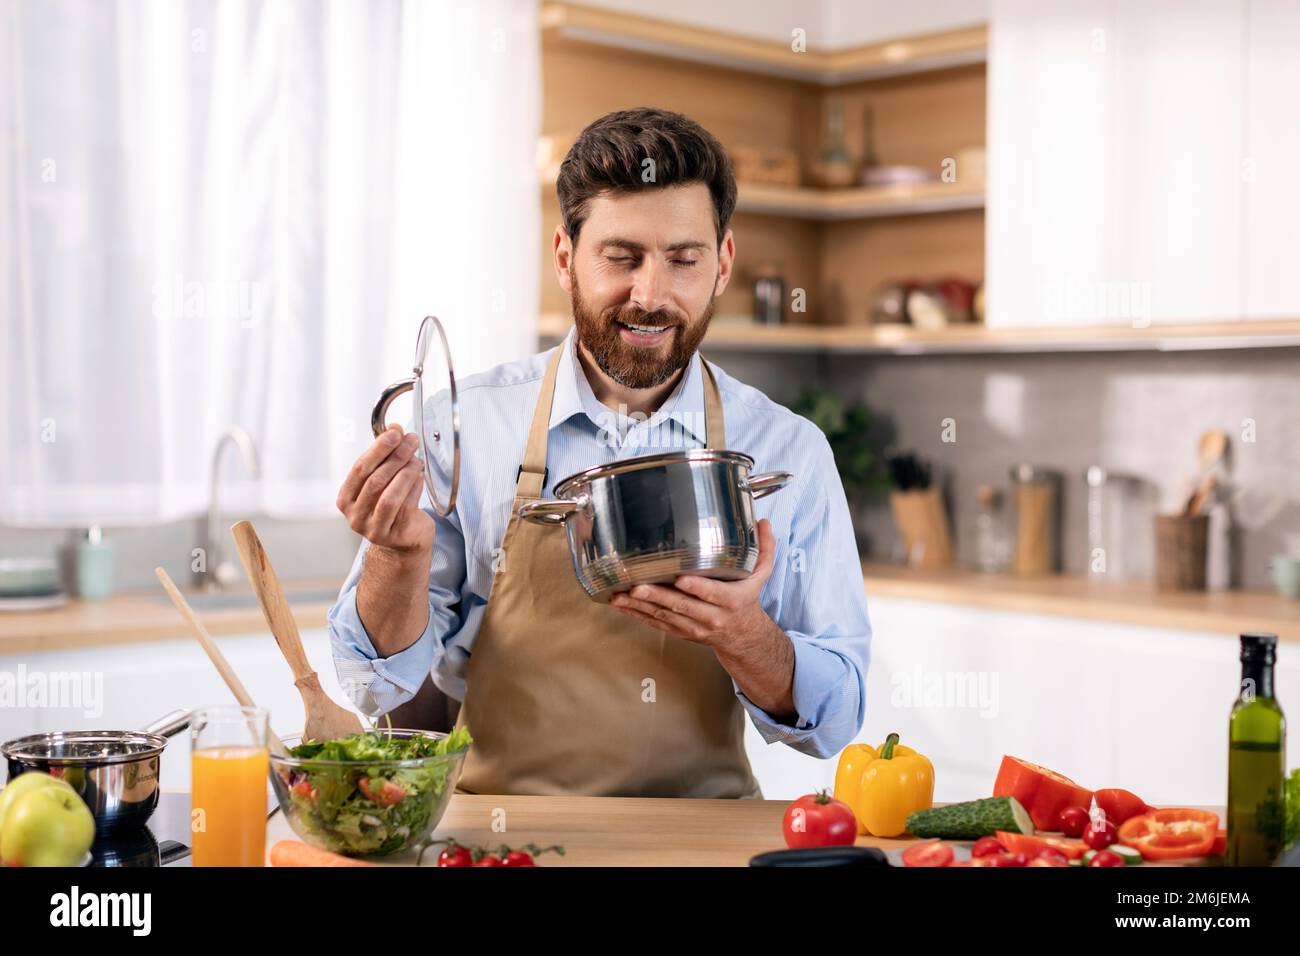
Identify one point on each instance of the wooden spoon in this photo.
(326, 720)
(1209, 452)
(273, 742)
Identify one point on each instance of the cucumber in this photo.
(971, 820)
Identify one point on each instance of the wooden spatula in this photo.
(218, 659)
(326, 720)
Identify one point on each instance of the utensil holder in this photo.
(1180, 552)
(922, 523)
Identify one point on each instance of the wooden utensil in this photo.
(273, 742)
(1209, 452)
(326, 720)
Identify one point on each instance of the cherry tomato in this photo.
(986, 846)
(1098, 837)
(519, 858)
(1106, 858)
(929, 853)
(489, 860)
(455, 856)
(1072, 821)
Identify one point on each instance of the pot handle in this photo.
(767, 483)
(169, 725)
(551, 510)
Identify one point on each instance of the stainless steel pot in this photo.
(647, 520)
(114, 771)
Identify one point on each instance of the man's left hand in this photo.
(704, 610)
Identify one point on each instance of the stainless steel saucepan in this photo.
(649, 519)
(114, 771)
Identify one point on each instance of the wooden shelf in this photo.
(828, 205)
(1129, 602)
(936, 51)
(836, 204)
(974, 339)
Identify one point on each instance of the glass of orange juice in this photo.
(228, 788)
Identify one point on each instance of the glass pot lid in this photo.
(435, 414)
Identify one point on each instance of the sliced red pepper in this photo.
(1042, 792)
(1174, 833)
(1120, 805)
(1031, 846)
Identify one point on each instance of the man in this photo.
(645, 696)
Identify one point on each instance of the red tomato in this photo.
(489, 860)
(519, 858)
(817, 819)
(1005, 859)
(985, 846)
(1050, 856)
(1031, 846)
(455, 856)
(929, 853)
(385, 792)
(1106, 858)
(1042, 792)
(1120, 805)
(1100, 836)
(1072, 821)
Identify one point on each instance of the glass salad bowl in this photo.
(371, 794)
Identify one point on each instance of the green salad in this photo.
(358, 810)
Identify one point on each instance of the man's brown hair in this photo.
(610, 156)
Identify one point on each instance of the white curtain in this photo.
(226, 212)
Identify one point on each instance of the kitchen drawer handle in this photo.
(552, 510)
(767, 483)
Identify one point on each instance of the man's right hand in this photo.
(381, 495)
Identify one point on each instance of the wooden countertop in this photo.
(615, 831)
(1125, 602)
(146, 616)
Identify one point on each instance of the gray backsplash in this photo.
(1134, 413)
(1137, 414)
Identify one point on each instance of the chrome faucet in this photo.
(221, 573)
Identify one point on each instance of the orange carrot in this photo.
(293, 853)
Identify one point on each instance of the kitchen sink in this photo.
(235, 600)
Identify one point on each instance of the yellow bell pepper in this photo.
(884, 786)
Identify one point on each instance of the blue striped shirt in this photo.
(814, 594)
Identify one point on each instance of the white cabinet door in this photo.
(137, 683)
(1115, 140)
(1271, 160)
(1111, 705)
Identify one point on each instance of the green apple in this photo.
(46, 826)
(25, 783)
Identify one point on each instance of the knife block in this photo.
(922, 523)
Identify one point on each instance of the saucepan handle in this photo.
(551, 510)
(378, 417)
(169, 725)
(767, 483)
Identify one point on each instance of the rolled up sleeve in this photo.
(817, 597)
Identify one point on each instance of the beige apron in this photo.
(567, 696)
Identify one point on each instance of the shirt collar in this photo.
(573, 395)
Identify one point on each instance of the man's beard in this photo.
(635, 366)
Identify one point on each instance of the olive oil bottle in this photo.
(1256, 759)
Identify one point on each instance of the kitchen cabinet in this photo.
(1108, 704)
(143, 681)
(1116, 147)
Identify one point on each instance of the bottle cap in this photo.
(1258, 647)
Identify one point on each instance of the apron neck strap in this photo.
(532, 473)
